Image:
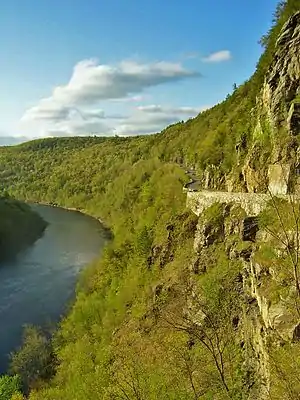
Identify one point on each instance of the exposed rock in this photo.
(208, 233)
(296, 333)
(279, 176)
(166, 256)
(283, 79)
(293, 119)
(241, 252)
(251, 178)
(206, 179)
(230, 183)
(249, 229)
(155, 253)
(157, 289)
(198, 267)
(170, 228)
(235, 321)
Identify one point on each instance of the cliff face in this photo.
(258, 232)
(276, 122)
(282, 82)
(266, 318)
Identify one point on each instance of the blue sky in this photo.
(122, 67)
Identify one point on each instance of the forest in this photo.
(20, 226)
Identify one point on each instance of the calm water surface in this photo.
(36, 287)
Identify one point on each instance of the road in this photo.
(194, 183)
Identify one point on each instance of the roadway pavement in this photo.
(194, 183)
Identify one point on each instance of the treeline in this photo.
(20, 226)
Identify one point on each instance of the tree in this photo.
(34, 361)
(9, 385)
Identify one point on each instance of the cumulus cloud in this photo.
(143, 120)
(73, 108)
(84, 123)
(141, 125)
(153, 118)
(81, 128)
(92, 82)
(219, 56)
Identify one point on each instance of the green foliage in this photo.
(19, 226)
(280, 254)
(279, 213)
(34, 361)
(215, 214)
(9, 386)
(143, 241)
(285, 372)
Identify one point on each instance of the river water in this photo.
(39, 284)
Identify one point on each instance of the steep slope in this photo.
(180, 307)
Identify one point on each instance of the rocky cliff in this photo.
(267, 318)
(272, 148)
(260, 232)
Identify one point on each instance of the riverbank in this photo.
(39, 286)
(78, 210)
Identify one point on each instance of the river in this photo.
(39, 284)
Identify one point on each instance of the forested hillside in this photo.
(156, 318)
(19, 227)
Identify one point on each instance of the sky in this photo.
(121, 67)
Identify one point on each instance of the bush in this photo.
(34, 361)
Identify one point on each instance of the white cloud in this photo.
(92, 82)
(131, 99)
(153, 108)
(97, 114)
(153, 118)
(72, 109)
(81, 128)
(219, 56)
(144, 119)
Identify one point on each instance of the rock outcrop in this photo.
(276, 118)
(266, 316)
(283, 79)
(279, 178)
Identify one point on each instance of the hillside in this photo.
(19, 227)
(181, 306)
